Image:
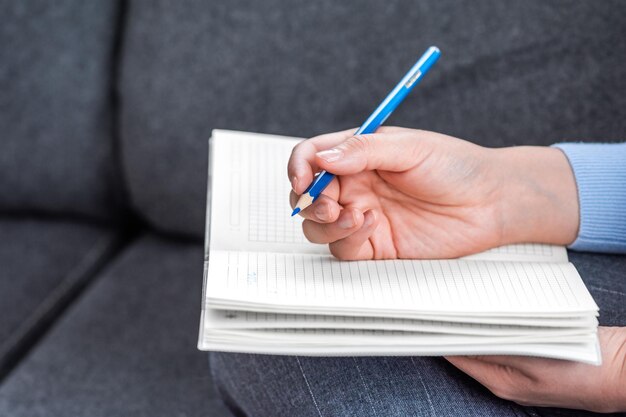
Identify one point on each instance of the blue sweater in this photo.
(600, 172)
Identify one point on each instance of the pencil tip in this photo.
(295, 211)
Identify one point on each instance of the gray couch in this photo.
(105, 111)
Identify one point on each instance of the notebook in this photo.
(268, 290)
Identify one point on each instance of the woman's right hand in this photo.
(405, 193)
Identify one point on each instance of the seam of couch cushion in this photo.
(18, 343)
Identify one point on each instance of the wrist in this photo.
(537, 198)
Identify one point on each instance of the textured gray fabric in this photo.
(41, 262)
(126, 348)
(56, 148)
(604, 277)
(530, 72)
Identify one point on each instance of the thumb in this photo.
(393, 152)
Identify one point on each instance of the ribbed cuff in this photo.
(600, 172)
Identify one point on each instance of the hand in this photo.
(404, 193)
(556, 383)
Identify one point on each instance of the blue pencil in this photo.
(377, 118)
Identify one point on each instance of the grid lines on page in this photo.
(269, 209)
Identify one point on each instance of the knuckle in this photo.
(337, 252)
(294, 152)
(308, 228)
(298, 147)
(509, 386)
(505, 391)
(300, 150)
(359, 143)
(317, 232)
(328, 232)
(500, 391)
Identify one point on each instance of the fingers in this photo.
(347, 236)
(356, 246)
(302, 166)
(483, 372)
(394, 151)
(349, 221)
(324, 210)
(522, 363)
(504, 381)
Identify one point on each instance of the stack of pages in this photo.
(268, 290)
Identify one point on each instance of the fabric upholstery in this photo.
(56, 69)
(41, 264)
(511, 73)
(127, 347)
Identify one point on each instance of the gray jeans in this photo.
(263, 385)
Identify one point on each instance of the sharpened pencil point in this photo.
(295, 211)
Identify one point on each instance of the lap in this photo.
(605, 277)
(260, 385)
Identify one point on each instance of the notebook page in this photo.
(250, 195)
(243, 319)
(232, 320)
(354, 337)
(588, 352)
(384, 344)
(250, 208)
(523, 252)
(307, 283)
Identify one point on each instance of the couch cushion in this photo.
(42, 264)
(56, 152)
(530, 72)
(127, 347)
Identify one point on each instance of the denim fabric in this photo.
(263, 385)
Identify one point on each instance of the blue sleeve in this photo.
(600, 172)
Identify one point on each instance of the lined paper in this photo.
(268, 290)
(309, 283)
(253, 194)
(232, 319)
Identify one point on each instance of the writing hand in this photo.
(404, 193)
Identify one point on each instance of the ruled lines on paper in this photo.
(444, 285)
(233, 319)
(268, 203)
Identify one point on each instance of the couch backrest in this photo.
(56, 148)
(530, 72)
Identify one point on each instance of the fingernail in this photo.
(322, 212)
(294, 183)
(346, 221)
(330, 155)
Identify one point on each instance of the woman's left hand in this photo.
(556, 383)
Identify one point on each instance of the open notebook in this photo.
(268, 290)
